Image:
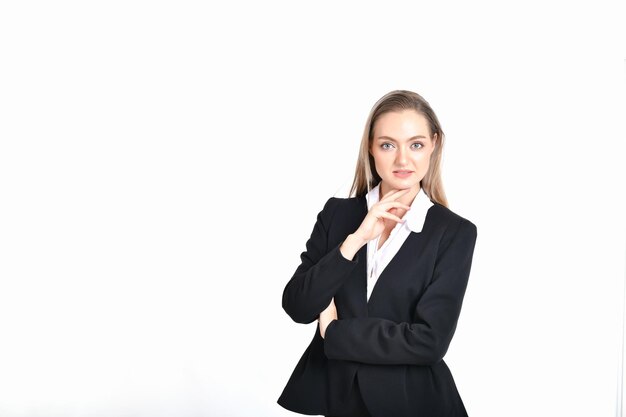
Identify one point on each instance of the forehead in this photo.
(401, 125)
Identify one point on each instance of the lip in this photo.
(402, 174)
(402, 171)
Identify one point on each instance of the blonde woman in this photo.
(384, 274)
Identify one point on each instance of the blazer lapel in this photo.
(400, 258)
(356, 289)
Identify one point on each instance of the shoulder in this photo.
(342, 204)
(453, 225)
(346, 202)
(346, 205)
(445, 215)
(344, 212)
(331, 207)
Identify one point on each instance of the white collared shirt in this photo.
(377, 259)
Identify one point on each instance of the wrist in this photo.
(357, 239)
(325, 332)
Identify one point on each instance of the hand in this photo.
(327, 316)
(374, 222)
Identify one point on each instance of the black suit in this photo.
(395, 342)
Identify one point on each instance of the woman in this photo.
(384, 274)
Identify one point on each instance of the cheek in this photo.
(381, 157)
(421, 158)
(428, 153)
(422, 162)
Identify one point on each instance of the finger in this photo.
(399, 204)
(392, 217)
(393, 194)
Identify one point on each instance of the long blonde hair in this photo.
(366, 177)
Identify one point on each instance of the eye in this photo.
(421, 145)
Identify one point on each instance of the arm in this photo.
(425, 341)
(320, 273)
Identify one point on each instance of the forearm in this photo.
(424, 339)
(310, 290)
(382, 342)
(351, 245)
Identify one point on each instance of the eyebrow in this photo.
(392, 139)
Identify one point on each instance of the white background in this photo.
(162, 164)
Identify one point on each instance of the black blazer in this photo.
(395, 342)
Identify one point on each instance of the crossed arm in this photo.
(423, 341)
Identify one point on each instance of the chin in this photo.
(400, 184)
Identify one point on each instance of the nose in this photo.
(401, 159)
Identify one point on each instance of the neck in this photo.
(405, 199)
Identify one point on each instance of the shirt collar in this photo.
(415, 217)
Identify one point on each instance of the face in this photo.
(401, 141)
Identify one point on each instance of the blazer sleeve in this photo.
(425, 341)
(320, 274)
